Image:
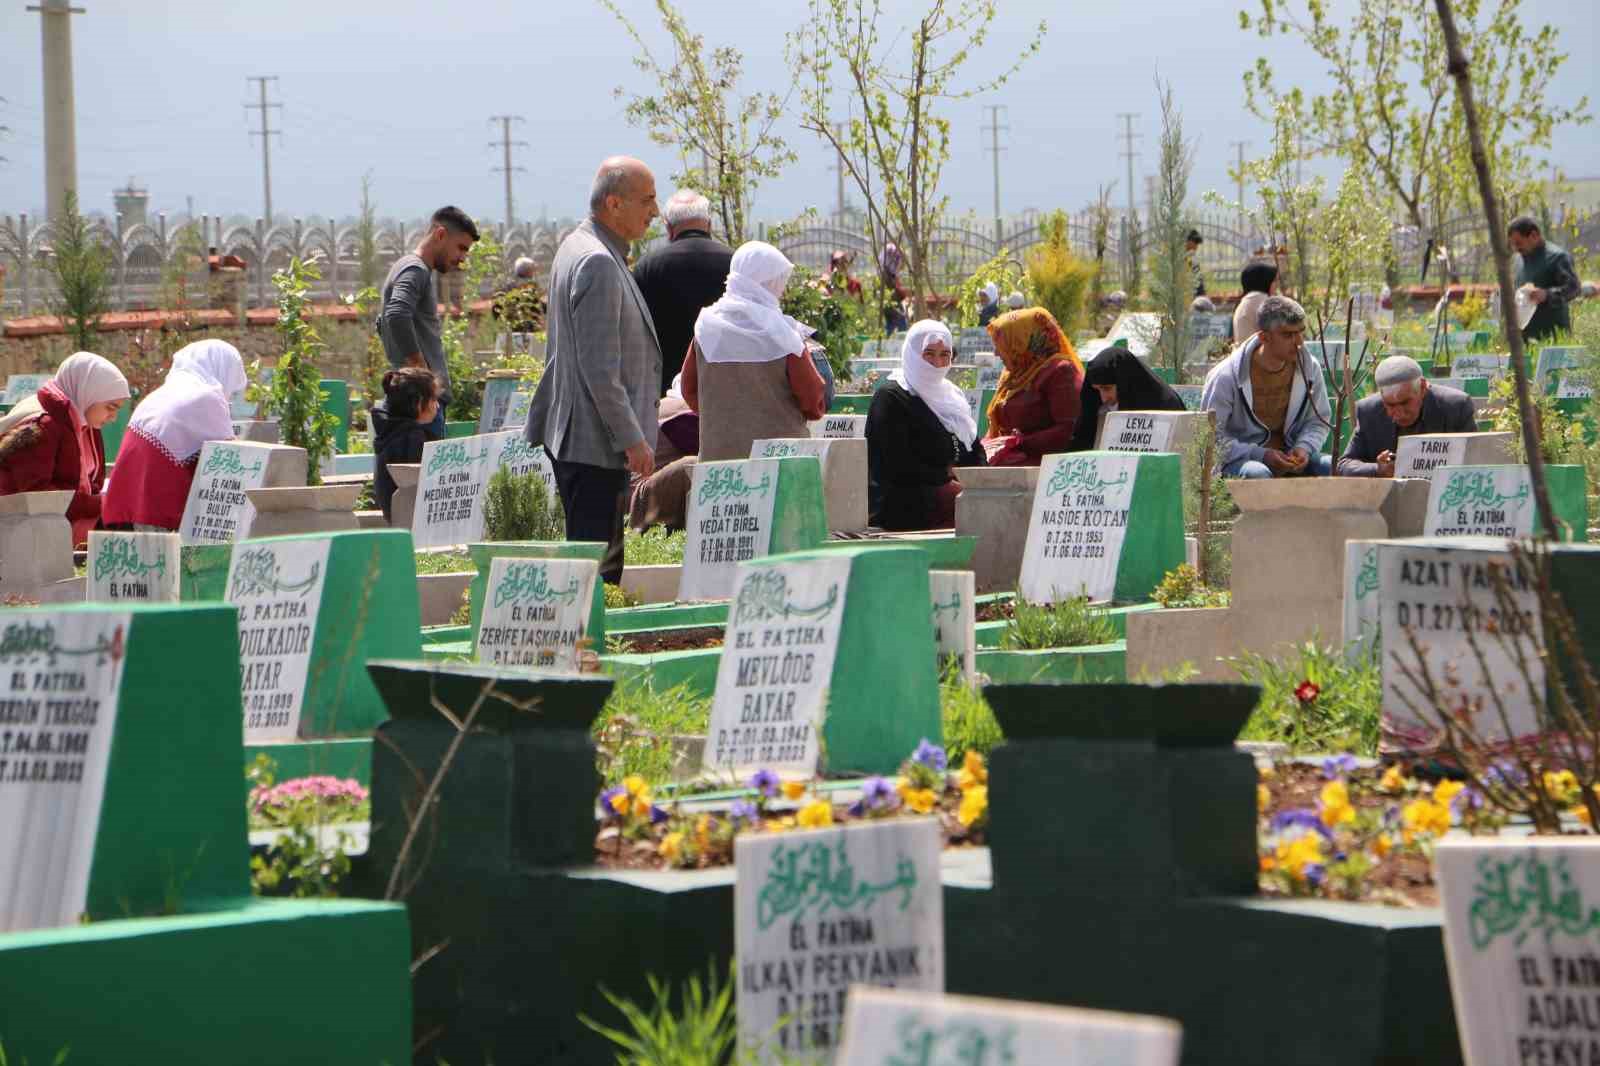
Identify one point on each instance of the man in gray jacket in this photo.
(1406, 403)
(595, 408)
(1269, 399)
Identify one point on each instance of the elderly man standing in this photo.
(1405, 404)
(595, 408)
(1270, 402)
(681, 278)
(1548, 272)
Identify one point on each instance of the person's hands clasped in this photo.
(1385, 463)
(1279, 462)
(641, 460)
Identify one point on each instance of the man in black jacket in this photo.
(1548, 272)
(1405, 404)
(678, 280)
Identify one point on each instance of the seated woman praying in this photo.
(749, 374)
(162, 446)
(918, 430)
(1038, 399)
(1118, 380)
(51, 440)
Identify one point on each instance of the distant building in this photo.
(132, 203)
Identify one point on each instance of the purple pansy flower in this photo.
(877, 793)
(1315, 872)
(744, 811)
(930, 755)
(606, 809)
(765, 782)
(1338, 766)
(1300, 818)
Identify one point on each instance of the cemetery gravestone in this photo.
(485, 553)
(808, 669)
(312, 610)
(1105, 525)
(885, 1027)
(132, 567)
(535, 612)
(218, 508)
(1441, 592)
(1497, 501)
(844, 473)
(110, 786)
(1521, 936)
(455, 474)
(833, 427)
(1137, 331)
(35, 541)
(954, 616)
(745, 509)
(21, 386)
(1418, 455)
(1360, 595)
(1147, 431)
(815, 912)
(1568, 386)
(1553, 358)
(1479, 366)
(497, 393)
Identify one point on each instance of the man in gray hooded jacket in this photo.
(1269, 400)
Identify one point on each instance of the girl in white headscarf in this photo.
(751, 371)
(51, 441)
(156, 464)
(990, 305)
(919, 429)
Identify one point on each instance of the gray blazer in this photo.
(1444, 410)
(603, 363)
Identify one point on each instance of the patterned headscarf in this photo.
(1027, 341)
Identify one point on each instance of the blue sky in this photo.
(405, 90)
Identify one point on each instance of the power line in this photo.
(265, 134)
(994, 130)
(506, 144)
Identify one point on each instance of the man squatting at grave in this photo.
(1270, 402)
(1405, 403)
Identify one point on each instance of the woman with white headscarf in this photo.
(990, 305)
(51, 441)
(919, 429)
(162, 447)
(751, 371)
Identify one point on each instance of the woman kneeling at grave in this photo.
(750, 372)
(1037, 402)
(918, 430)
(402, 422)
(158, 457)
(1118, 380)
(51, 441)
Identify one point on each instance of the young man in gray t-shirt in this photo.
(409, 321)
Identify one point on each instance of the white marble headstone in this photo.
(954, 595)
(834, 426)
(1079, 521)
(132, 567)
(1138, 431)
(63, 671)
(535, 611)
(789, 447)
(21, 386)
(277, 586)
(218, 509)
(817, 913)
(1419, 455)
(729, 522)
(1360, 593)
(1493, 501)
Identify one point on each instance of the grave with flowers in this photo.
(126, 866)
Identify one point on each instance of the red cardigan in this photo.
(149, 487)
(41, 455)
(1046, 413)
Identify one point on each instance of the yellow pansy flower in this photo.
(817, 814)
(1562, 785)
(1336, 809)
(1263, 798)
(794, 789)
(974, 802)
(920, 800)
(671, 847)
(1383, 845)
(1294, 856)
(621, 802)
(1393, 780)
(973, 772)
(1425, 816)
(1446, 791)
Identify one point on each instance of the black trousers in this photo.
(594, 499)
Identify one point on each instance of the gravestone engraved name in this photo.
(277, 586)
(218, 509)
(535, 611)
(1418, 456)
(1079, 521)
(1136, 431)
(730, 521)
(1495, 501)
(132, 567)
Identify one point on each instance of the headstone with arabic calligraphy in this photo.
(1522, 939)
(895, 1027)
(454, 477)
(132, 567)
(1360, 595)
(1497, 501)
(277, 585)
(954, 615)
(535, 612)
(20, 387)
(1106, 525)
(818, 912)
(844, 473)
(218, 509)
(745, 509)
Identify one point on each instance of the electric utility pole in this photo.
(838, 169)
(994, 129)
(1128, 137)
(505, 143)
(1240, 146)
(265, 134)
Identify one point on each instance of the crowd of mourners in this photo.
(687, 355)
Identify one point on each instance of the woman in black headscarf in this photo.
(1116, 379)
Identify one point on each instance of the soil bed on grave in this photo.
(644, 853)
(1400, 879)
(650, 643)
(995, 611)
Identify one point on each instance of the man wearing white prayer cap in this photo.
(1405, 403)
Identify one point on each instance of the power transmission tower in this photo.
(265, 134)
(994, 130)
(1240, 146)
(505, 143)
(1128, 137)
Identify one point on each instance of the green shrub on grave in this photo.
(519, 507)
(653, 547)
(1072, 623)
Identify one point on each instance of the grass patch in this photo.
(1071, 623)
(633, 734)
(1315, 700)
(654, 547)
(446, 562)
(969, 723)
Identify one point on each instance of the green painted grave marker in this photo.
(455, 475)
(1497, 501)
(485, 553)
(1107, 525)
(536, 611)
(745, 509)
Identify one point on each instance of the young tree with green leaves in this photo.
(80, 264)
(369, 270)
(295, 395)
(1171, 283)
(725, 142)
(878, 106)
(1390, 111)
